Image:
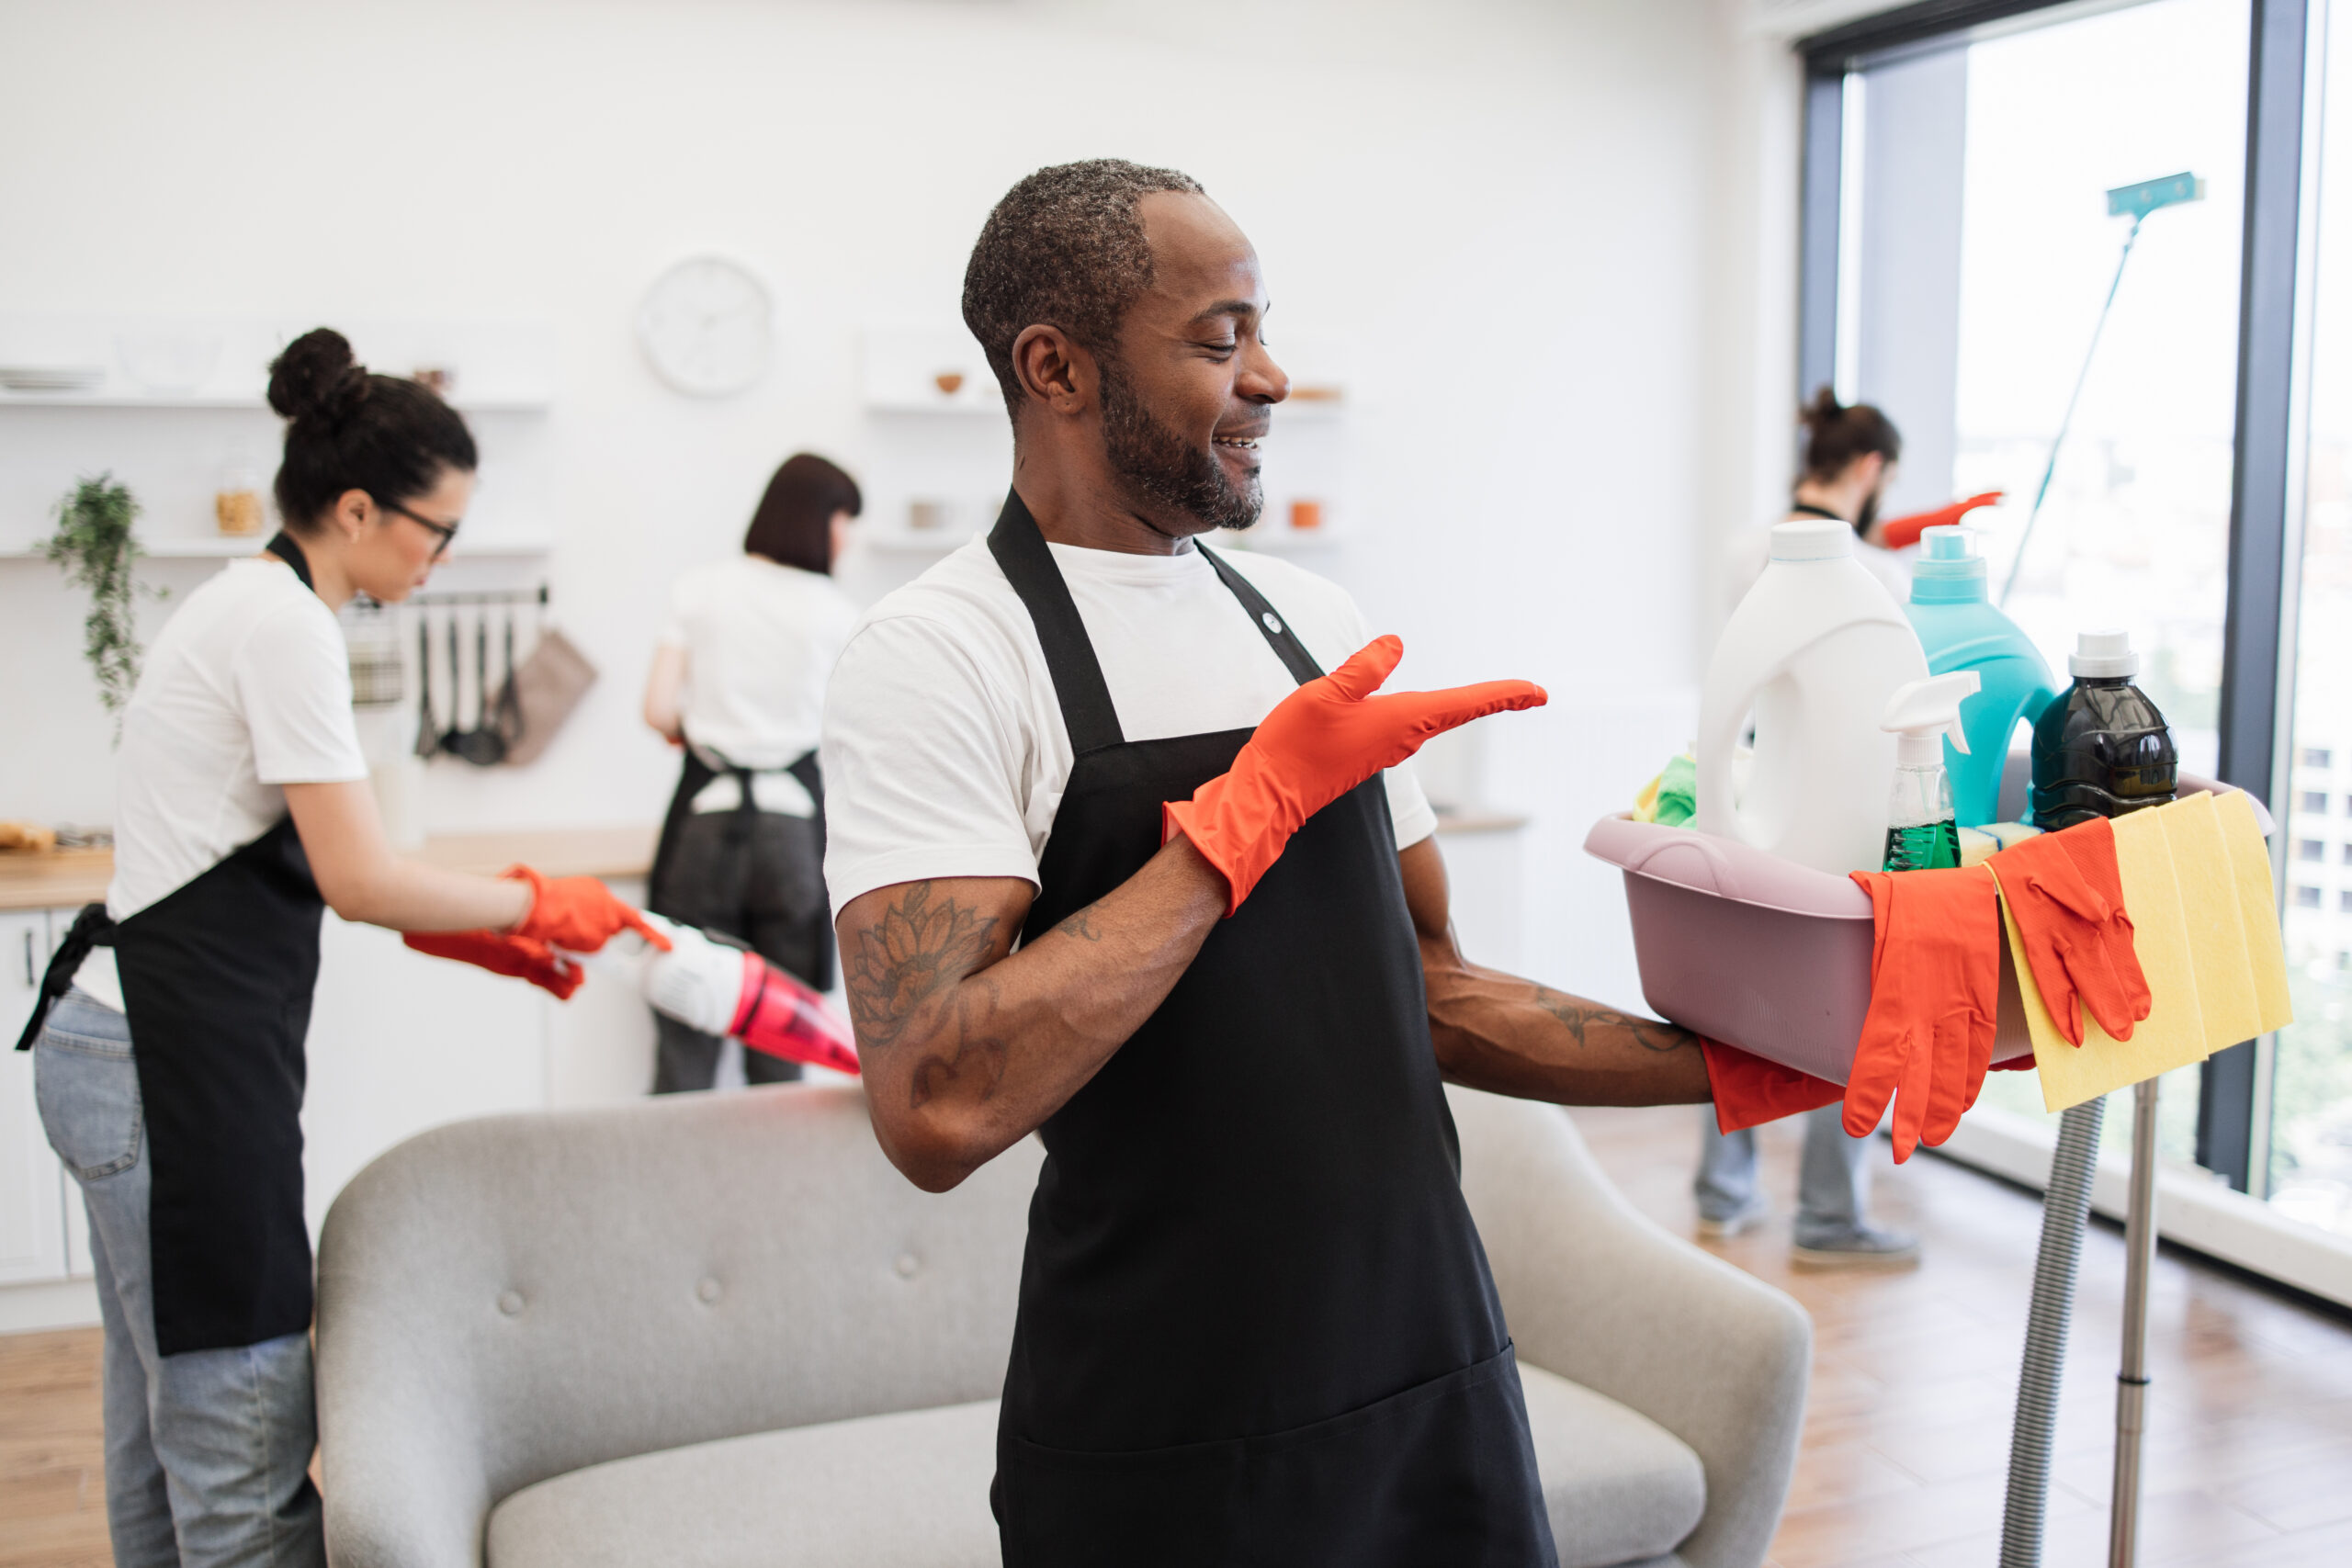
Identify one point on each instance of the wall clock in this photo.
(706, 327)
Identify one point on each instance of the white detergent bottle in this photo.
(1814, 652)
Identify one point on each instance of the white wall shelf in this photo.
(227, 547)
(252, 402)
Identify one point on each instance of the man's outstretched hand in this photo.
(1320, 742)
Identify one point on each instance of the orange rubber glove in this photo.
(518, 956)
(1750, 1091)
(1935, 993)
(2066, 896)
(576, 912)
(1901, 533)
(1320, 742)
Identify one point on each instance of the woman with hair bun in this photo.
(171, 1025)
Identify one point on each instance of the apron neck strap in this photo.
(1277, 631)
(1807, 509)
(1019, 550)
(284, 547)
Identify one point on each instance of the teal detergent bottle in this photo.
(1960, 631)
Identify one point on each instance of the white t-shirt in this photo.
(759, 640)
(246, 689)
(944, 749)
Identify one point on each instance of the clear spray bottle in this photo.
(1922, 830)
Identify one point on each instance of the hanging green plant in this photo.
(95, 546)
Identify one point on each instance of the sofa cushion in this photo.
(911, 1490)
(1619, 1486)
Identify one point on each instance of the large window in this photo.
(1959, 256)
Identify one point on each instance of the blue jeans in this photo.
(208, 1453)
(1833, 1180)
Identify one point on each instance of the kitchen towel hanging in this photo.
(541, 693)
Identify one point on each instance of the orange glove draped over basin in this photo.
(2066, 894)
(1928, 1039)
(1935, 998)
(1319, 743)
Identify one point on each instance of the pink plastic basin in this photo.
(1759, 953)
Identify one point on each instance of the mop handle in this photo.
(2017, 563)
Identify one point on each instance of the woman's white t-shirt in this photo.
(246, 689)
(944, 749)
(759, 640)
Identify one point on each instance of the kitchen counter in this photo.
(63, 878)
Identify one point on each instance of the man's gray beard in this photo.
(1163, 469)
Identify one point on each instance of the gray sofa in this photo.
(721, 1330)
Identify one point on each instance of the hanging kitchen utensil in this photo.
(454, 737)
(482, 745)
(428, 738)
(510, 704)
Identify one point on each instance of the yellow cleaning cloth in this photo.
(2217, 934)
(2173, 1034)
(2258, 901)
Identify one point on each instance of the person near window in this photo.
(171, 1025)
(1850, 457)
(738, 681)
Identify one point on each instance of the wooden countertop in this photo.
(66, 878)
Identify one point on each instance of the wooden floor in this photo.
(2249, 1448)
(1906, 1437)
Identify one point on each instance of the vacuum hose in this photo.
(2065, 1209)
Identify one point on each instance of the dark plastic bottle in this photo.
(2101, 750)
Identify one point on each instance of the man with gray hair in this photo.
(1256, 1323)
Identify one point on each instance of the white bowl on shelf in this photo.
(169, 364)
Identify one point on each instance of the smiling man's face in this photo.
(1190, 392)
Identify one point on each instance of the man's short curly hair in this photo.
(1063, 249)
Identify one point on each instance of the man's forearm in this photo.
(1497, 1031)
(966, 1050)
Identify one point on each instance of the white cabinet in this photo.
(399, 1043)
(32, 1191)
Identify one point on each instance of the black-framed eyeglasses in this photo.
(444, 532)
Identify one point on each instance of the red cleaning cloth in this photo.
(1750, 1091)
(1901, 532)
(1935, 993)
(517, 956)
(2066, 896)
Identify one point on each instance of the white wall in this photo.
(1548, 233)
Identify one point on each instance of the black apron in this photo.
(1256, 1324)
(691, 778)
(217, 979)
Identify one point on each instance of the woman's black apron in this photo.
(693, 775)
(217, 979)
(1256, 1324)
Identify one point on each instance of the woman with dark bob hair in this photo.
(738, 681)
(171, 1025)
